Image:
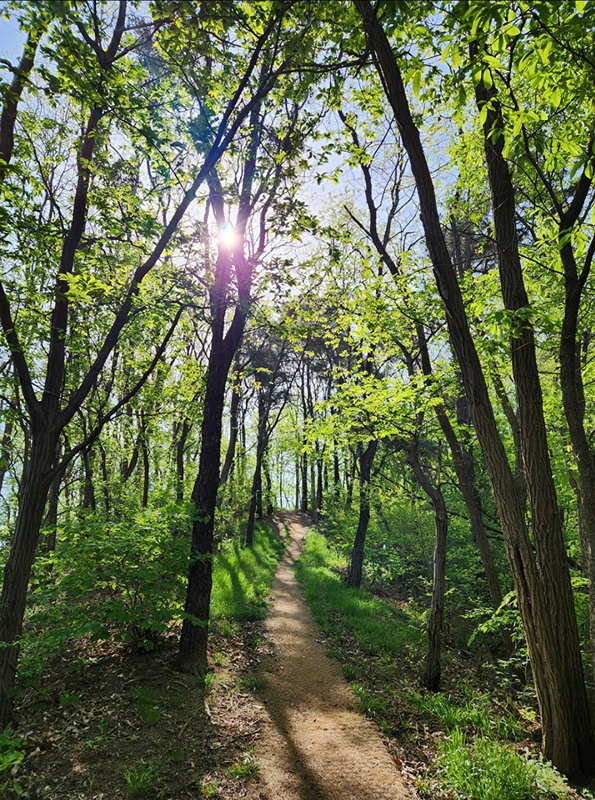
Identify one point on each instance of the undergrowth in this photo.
(379, 627)
(469, 744)
(126, 581)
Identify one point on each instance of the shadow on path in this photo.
(314, 746)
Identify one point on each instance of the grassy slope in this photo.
(470, 745)
(101, 719)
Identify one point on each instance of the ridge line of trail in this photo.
(313, 745)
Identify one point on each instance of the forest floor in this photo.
(275, 720)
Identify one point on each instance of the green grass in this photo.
(377, 625)
(140, 777)
(249, 769)
(474, 716)
(489, 770)
(146, 705)
(242, 577)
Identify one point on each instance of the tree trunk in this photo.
(5, 452)
(255, 493)
(180, 461)
(366, 459)
(233, 434)
(433, 670)
(146, 471)
(35, 484)
(50, 521)
(543, 591)
(193, 641)
(88, 499)
(567, 708)
(304, 465)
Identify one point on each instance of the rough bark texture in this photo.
(35, 486)
(548, 621)
(565, 714)
(193, 641)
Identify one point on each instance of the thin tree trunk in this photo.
(304, 466)
(146, 471)
(233, 433)
(5, 452)
(88, 500)
(182, 439)
(35, 484)
(433, 669)
(366, 459)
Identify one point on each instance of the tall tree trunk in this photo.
(146, 471)
(35, 484)
(366, 460)
(304, 466)
(50, 521)
(336, 473)
(88, 499)
(5, 452)
(543, 590)
(255, 494)
(193, 641)
(181, 440)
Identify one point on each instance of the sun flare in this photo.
(227, 235)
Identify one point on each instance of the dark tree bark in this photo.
(433, 669)
(543, 588)
(181, 437)
(88, 499)
(366, 460)
(35, 484)
(304, 474)
(5, 452)
(227, 470)
(193, 641)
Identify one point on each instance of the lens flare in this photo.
(227, 235)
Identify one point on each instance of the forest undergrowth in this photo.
(103, 715)
(476, 738)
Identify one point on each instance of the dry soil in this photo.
(313, 744)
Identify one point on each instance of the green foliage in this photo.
(140, 777)
(476, 715)
(106, 578)
(249, 684)
(488, 770)
(210, 789)
(127, 580)
(242, 577)
(369, 704)
(378, 625)
(249, 769)
(11, 754)
(146, 706)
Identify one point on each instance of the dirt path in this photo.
(313, 745)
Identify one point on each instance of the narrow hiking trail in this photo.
(313, 745)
